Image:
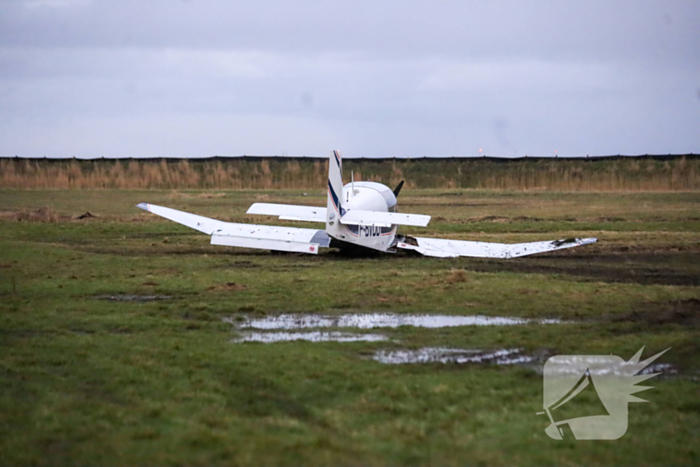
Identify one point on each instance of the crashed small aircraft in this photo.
(359, 215)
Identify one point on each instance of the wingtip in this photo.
(253, 208)
(143, 206)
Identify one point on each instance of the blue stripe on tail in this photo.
(337, 159)
(334, 197)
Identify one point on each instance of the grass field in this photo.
(87, 380)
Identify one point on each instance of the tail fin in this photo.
(334, 209)
(335, 184)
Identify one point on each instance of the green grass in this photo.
(89, 381)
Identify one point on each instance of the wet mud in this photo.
(639, 268)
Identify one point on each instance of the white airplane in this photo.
(358, 215)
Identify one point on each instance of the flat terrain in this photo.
(117, 343)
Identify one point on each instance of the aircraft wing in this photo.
(266, 237)
(444, 248)
(289, 212)
(383, 219)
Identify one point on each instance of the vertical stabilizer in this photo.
(335, 193)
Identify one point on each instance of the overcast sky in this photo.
(92, 78)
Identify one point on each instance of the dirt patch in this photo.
(158, 235)
(134, 298)
(402, 300)
(241, 265)
(230, 286)
(496, 219)
(170, 250)
(457, 275)
(43, 214)
(681, 312)
(629, 267)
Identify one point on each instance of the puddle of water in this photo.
(380, 320)
(665, 368)
(133, 298)
(291, 322)
(446, 355)
(314, 336)
(573, 364)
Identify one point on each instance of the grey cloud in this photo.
(373, 78)
(622, 29)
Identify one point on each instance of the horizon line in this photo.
(280, 156)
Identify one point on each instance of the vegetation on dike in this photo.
(153, 377)
(596, 174)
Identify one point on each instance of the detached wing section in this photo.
(264, 237)
(289, 212)
(443, 248)
(383, 219)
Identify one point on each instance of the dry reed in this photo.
(614, 174)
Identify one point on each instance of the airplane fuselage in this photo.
(364, 196)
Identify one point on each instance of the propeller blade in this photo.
(397, 190)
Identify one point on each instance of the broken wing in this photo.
(444, 248)
(265, 237)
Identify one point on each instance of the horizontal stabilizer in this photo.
(444, 248)
(383, 219)
(289, 212)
